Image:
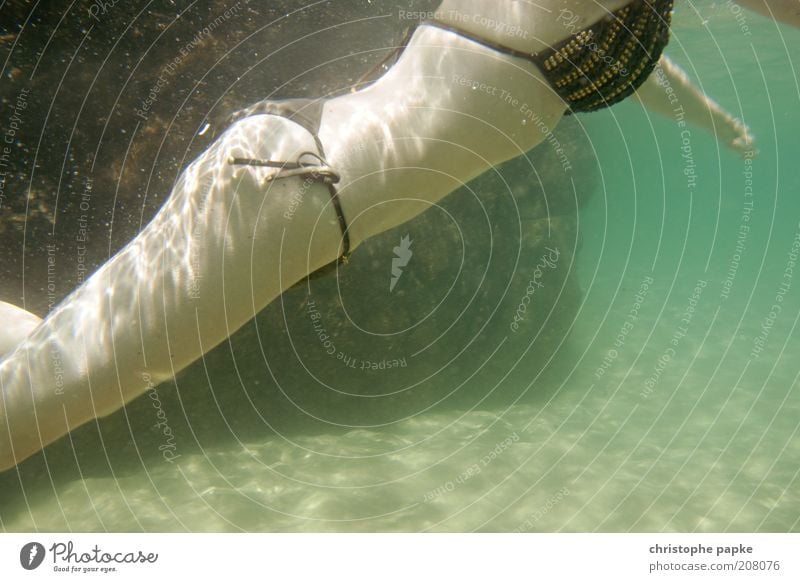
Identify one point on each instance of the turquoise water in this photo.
(684, 418)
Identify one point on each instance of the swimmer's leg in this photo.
(227, 241)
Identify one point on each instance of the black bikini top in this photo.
(603, 63)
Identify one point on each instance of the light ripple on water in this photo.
(397, 479)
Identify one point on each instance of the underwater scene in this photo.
(600, 335)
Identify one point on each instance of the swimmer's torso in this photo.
(452, 106)
(446, 112)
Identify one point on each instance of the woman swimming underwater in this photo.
(275, 198)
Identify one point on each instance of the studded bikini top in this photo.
(603, 63)
(606, 62)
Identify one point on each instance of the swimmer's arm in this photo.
(786, 11)
(698, 108)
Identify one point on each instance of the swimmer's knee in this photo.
(17, 325)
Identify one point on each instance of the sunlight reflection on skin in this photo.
(181, 286)
(17, 325)
(423, 130)
(137, 316)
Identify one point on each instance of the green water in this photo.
(612, 440)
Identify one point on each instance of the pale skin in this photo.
(229, 240)
(700, 109)
(697, 107)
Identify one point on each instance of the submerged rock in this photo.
(432, 315)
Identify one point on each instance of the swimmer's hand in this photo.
(737, 137)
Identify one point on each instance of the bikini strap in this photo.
(306, 113)
(595, 67)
